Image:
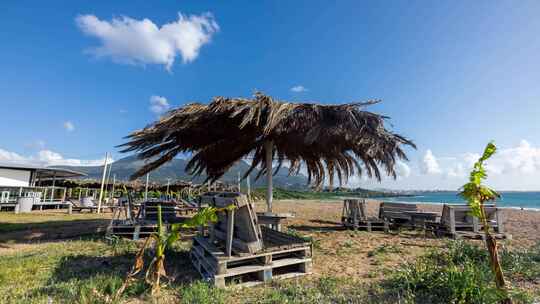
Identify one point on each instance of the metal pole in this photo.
(108, 176)
(102, 182)
(52, 188)
(248, 186)
(239, 188)
(113, 182)
(146, 188)
(168, 183)
(269, 195)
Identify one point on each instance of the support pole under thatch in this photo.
(268, 149)
(102, 182)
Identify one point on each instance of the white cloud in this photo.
(159, 104)
(7, 156)
(457, 171)
(402, 169)
(299, 89)
(141, 42)
(523, 159)
(69, 126)
(429, 164)
(47, 158)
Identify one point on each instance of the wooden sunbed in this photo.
(238, 228)
(185, 207)
(239, 250)
(354, 215)
(396, 213)
(457, 222)
(149, 212)
(77, 206)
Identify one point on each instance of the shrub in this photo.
(460, 274)
(201, 293)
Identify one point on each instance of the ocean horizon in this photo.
(511, 199)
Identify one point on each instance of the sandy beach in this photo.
(346, 253)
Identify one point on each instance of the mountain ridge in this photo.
(175, 170)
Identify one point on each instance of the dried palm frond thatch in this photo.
(338, 139)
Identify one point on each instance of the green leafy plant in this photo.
(477, 195)
(163, 239)
(459, 273)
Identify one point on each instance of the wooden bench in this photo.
(238, 228)
(149, 212)
(354, 215)
(76, 206)
(457, 221)
(396, 213)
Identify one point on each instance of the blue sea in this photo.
(515, 199)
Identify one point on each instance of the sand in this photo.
(340, 252)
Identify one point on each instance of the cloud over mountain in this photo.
(140, 42)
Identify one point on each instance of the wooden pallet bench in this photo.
(132, 231)
(144, 223)
(354, 215)
(456, 222)
(284, 256)
(396, 213)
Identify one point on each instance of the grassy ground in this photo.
(349, 267)
(91, 270)
(38, 220)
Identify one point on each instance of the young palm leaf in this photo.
(477, 195)
(164, 239)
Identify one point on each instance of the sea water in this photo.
(515, 199)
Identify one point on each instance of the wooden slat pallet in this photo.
(354, 215)
(367, 225)
(133, 232)
(456, 222)
(471, 235)
(273, 263)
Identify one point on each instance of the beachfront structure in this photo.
(12, 175)
(24, 181)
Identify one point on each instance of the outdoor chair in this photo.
(354, 215)
(457, 221)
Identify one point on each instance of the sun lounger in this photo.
(239, 228)
(77, 206)
(239, 250)
(456, 222)
(149, 212)
(354, 215)
(396, 213)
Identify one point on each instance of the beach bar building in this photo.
(21, 185)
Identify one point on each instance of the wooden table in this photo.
(273, 220)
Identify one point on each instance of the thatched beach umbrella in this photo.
(324, 139)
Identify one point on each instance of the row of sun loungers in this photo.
(455, 220)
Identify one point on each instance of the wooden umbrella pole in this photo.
(102, 182)
(268, 145)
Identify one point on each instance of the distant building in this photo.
(12, 175)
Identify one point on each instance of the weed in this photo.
(383, 250)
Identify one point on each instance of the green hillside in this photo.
(282, 194)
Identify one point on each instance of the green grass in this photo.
(460, 274)
(14, 222)
(286, 194)
(91, 270)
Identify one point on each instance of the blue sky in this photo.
(452, 74)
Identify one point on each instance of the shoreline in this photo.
(504, 206)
